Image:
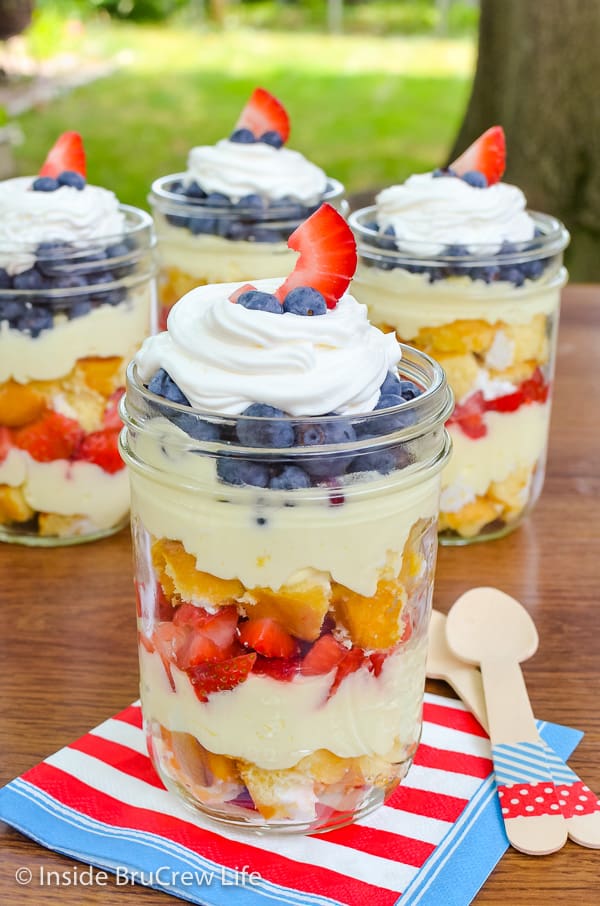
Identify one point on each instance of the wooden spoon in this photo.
(584, 825)
(489, 628)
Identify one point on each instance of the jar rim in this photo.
(553, 238)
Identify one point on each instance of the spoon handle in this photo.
(530, 808)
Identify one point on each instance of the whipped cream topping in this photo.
(236, 170)
(225, 357)
(28, 218)
(429, 213)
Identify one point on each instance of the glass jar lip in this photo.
(432, 407)
(553, 238)
(183, 205)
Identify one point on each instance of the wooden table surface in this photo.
(68, 647)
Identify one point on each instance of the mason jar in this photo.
(283, 630)
(200, 242)
(490, 318)
(71, 317)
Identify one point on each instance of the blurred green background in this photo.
(370, 105)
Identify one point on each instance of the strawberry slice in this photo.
(325, 654)
(327, 256)
(264, 113)
(101, 448)
(53, 436)
(267, 637)
(283, 669)
(244, 288)
(487, 154)
(352, 661)
(66, 153)
(220, 676)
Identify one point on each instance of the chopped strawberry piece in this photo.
(220, 627)
(5, 442)
(111, 418)
(327, 256)
(53, 436)
(163, 609)
(244, 288)
(67, 153)
(283, 669)
(267, 637)
(209, 637)
(487, 154)
(325, 654)
(352, 661)
(102, 448)
(535, 389)
(264, 113)
(469, 416)
(376, 661)
(168, 639)
(191, 616)
(220, 676)
(198, 649)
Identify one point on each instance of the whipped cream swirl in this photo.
(236, 170)
(28, 218)
(430, 213)
(225, 357)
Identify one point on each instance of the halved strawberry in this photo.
(67, 153)
(102, 448)
(325, 654)
(352, 661)
(244, 288)
(53, 436)
(264, 113)
(267, 637)
(487, 154)
(220, 676)
(327, 256)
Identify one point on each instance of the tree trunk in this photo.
(15, 16)
(538, 73)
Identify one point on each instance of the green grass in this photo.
(369, 110)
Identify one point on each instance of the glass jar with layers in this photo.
(283, 601)
(71, 317)
(490, 318)
(208, 239)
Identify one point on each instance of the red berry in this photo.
(327, 256)
(111, 418)
(469, 416)
(325, 654)
(352, 661)
(377, 660)
(191, 616)
(487, 154)
(220, 627)
(67, 153)
(53, 436)
(283, 669)
(244, 288)
(267, 637)
(220, 676)
(198, 649)
(101, 448)
(264, 113)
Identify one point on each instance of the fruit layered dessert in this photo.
(456, 265)
(76, 288)
(229, 216)
(285, 468)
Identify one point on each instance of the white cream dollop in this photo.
(225, 357)
(236, 170)
(28, 218)
(429, 213)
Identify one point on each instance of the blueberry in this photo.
(198, 225)
(238, 231)
(409, 390)
(11, 310)
(533, 269)
(5, 281)
(386, 424)
(538, 231)
(44, 184)
(513, 275)
(271, 137)
(293, 209)
(243, 472)
(81, 307)
(264, 235)
(177, 220)
(456, 250)
(195, 427)
(443, 171)
(34, 320)
(290, 478)
(162, 384)
(391, 384)
(176, 187)
(487, 274)
(507, 248)
(257, 301)
(71, 178)
(242, 136)
(304, 300)
(475, 178)
(222, 227)
(117, 250)
(252, 202)
(264, 426)
(69, 281)
(30, 279)
(193, 190)
(218, 200)
(383, 461)
(385, 239)
(339, 431)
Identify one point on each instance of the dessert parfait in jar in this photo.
(454, 263)
(76, 289)
(229, 216)
(285, 460)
